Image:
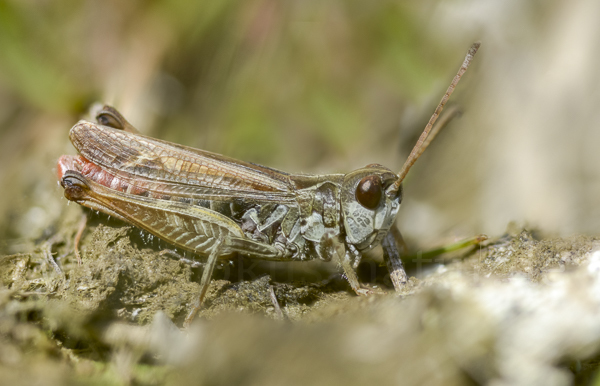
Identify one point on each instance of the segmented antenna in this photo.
(423, 141)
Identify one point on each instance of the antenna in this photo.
(423, 141)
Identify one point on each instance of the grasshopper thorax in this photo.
(367, 212)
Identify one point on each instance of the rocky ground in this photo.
(517, 310)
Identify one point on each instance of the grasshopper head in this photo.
(368, 212)
(371, 196)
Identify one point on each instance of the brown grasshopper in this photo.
(216, 206)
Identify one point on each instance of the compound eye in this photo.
(108, 119)
(369, 192)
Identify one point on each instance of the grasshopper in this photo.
(217, 206)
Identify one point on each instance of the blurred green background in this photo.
(309, 86)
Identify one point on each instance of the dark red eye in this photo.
(369, 192)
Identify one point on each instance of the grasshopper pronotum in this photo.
(214, 205)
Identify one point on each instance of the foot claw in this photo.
(364, 292)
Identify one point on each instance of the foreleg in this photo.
(393, 248)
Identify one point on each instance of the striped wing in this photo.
(175, 169)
